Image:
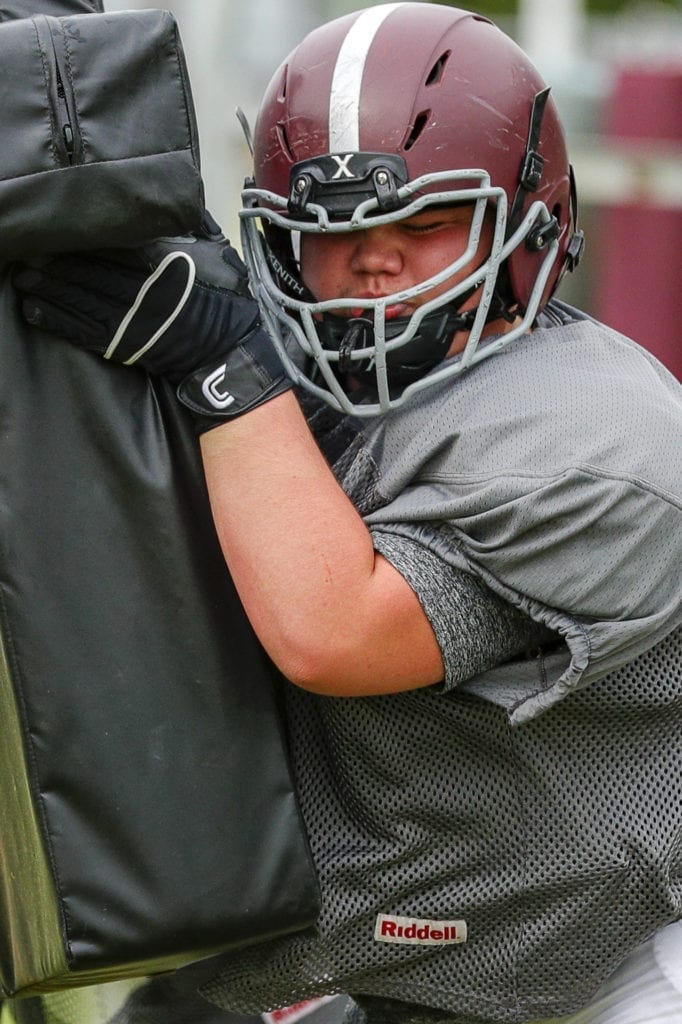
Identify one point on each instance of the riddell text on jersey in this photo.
(418, 931)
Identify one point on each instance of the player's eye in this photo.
(424, 228)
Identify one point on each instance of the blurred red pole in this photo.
(638, 281)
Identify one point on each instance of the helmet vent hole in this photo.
(419, 125)
(436, 72)
(282, 92)
(284, 142)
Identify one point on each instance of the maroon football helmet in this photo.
(374, 117)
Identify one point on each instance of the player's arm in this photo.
(334, 616)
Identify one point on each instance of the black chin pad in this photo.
(405, 364)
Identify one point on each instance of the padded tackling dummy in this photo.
(95, 105)
(149, 817)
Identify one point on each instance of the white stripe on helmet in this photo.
(344, 100)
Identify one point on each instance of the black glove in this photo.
(179, 308)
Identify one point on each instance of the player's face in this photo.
(393, 257)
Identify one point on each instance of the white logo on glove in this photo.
(212, 391)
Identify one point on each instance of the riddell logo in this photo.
(418, 932)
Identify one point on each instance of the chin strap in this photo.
(533, 165)
(417, 357)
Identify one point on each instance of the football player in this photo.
(451, 506)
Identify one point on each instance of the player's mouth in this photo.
(392, 312)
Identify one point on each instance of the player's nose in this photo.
(377, 251)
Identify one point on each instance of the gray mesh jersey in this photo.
(537, 802)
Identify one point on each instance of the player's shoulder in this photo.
(574, 368)
(598, 356)
(595, 373)
(573, 393)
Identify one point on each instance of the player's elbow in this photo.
(322, 667)
(313, 671)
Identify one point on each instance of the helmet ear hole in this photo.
(558, 214)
